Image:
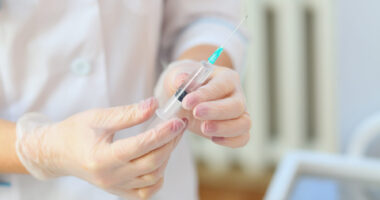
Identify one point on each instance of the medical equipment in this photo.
(195, 80)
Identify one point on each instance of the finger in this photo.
(149, 179)
(179, 80)
(122, 117)
(154, 159)
(142, 166)
(147, 168)
(223, 109)
(134, 147)
(218, 87)
(233, 142)
(126, 194)
(227, 128)
(147, 192)
(180, 73)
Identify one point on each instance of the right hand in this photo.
(83, 146)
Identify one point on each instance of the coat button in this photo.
(81, 67)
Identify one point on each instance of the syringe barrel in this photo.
(195, 80)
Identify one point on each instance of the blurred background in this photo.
(312, 77)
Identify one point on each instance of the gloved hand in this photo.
(83, 146)
(216, 110)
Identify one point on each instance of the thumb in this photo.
(179, 73)
(177, 81)
(122, 117)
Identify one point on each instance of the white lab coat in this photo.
(60, 57)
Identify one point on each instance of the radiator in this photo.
(290, 84)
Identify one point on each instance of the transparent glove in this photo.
(83, 146)
(216, 110)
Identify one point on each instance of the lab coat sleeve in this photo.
(190, 23)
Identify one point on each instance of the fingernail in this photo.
(177, 125)
(142, 194)
(209, 127)
(180, 79)
(147, 103)
(202, 111)
(217, 139)
(186, 121)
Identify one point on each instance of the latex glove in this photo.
(83, 146)
(217, 110)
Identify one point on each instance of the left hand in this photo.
(216, 110)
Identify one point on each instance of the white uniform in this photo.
(60, 57)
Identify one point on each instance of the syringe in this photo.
(195, 80)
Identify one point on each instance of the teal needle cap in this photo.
(212, 59)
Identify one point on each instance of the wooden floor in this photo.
(231, 186)
(211, 193)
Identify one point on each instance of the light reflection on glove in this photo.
(217, 110)
(83, 146)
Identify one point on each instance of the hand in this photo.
(83, 146)
(216, 110)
